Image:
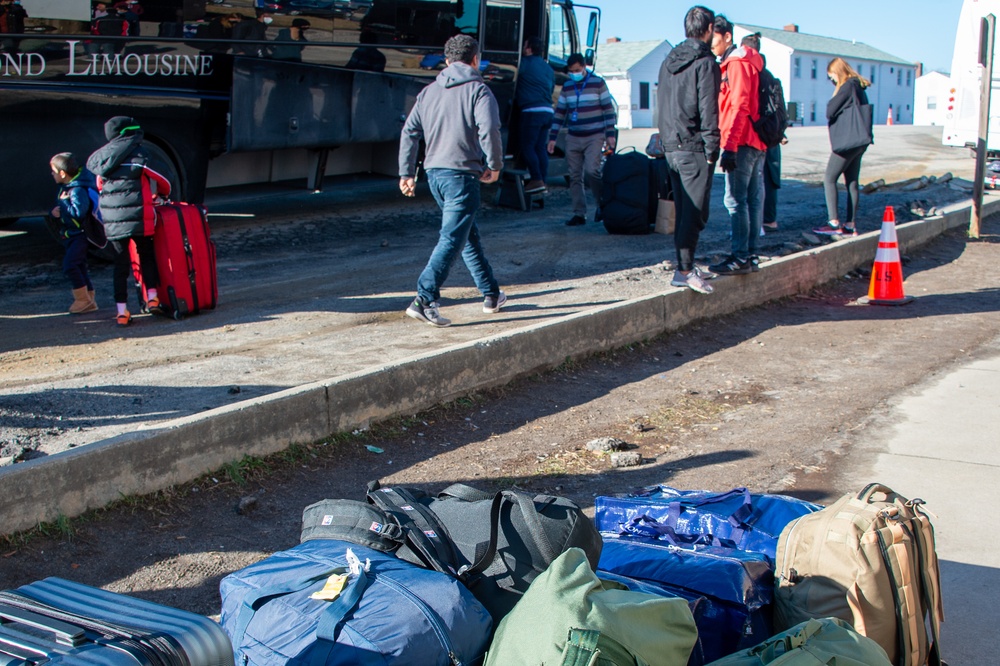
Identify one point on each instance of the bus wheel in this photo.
(161, 162)
(7, 221)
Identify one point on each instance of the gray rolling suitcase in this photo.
(56, 621)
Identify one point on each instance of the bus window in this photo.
(560, 37)
(503, 26)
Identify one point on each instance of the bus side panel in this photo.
(55, 121)
(380, 104)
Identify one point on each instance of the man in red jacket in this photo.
(742, 150)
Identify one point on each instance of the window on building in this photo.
(899, 78)
(872, 77)
(908, 75)
(814, 69)
(812, 111)
(931, 103)
(798, 68)
(907, 107)
(643, 95)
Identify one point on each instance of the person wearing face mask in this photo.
(585, 106)
(253, 31)
(291, 41)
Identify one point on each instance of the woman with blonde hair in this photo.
(849, 118)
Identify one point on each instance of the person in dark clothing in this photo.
(255, 30)
(72, 208)
(367, 57)
(458, 118)
(219, 28)
(290, 42)
(12, 16)
(535, 83)
(850, 90)
(129, 188)
(688, 98)
(771, 169)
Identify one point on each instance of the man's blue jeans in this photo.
(457, 193)
(534, 139)
(744, 201)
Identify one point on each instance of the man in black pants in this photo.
(688, 96)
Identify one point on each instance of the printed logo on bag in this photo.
(406, 507)
(431, 533)
(375, 527)
(327, 520)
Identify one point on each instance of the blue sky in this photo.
(917, 30)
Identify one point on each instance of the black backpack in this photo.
(773, 121)
(495, 543)
(626, 193)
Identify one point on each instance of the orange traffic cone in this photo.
(888, 121)
(886, 287)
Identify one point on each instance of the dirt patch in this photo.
(773, 398)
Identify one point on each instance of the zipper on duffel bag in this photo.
(429, 613)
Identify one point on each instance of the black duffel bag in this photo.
(496, 543)
(626, 192)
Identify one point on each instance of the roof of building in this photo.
(801, 41)
(619, 57)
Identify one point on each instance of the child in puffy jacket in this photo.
(129, 189)
(73, 206)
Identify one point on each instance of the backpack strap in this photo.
(464, 492)
(581, 647)
(425, 534)
(486, 554)
(930, 577)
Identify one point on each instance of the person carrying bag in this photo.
(849, 116)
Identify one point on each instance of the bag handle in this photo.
(466, 493)
(486, 554)
(866, 494)
(334, 614)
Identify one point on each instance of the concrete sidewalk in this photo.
(945, 451)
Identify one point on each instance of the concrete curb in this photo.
(146, 461)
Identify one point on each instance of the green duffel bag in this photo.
(569, 616)
(826, 642)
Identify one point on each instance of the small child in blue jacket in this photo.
(73, 207)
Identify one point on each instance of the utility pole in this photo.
(986, 35)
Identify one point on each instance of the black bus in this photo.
(219, 108)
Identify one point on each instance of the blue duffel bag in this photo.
(389, 612)
(729, 591)
(736, 519)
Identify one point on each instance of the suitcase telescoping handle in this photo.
(64, 632)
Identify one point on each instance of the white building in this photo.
(631, 70)
(930, 103)
(799, 60)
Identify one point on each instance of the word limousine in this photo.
(82, 63)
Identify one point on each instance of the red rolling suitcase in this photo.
(185, 258)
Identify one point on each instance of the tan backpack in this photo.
(867, 559)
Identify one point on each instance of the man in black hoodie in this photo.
(688, 97)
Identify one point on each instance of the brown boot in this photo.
(82, 302)
(90, 292)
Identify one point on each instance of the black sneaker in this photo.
(576, 221)
(731, 266)
(754, 263)
(492, 304)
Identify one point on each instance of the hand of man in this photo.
(728, 160)
(784, 140)
(489, 176)
(408, 186)
(56, 212)
(611, 142)
(551, 147)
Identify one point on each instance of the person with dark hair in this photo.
(220, 28)
(535, 83)
(128, 189)
(688, 98)
(849, 91)
(71, 210)
(742, 150)
(256, 31)
(458, 119)
(586, 108)
(290, 42)
(367, 57)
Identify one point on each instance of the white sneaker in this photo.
(692, 281)
(427, 313)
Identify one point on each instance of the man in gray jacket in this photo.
(459, 121)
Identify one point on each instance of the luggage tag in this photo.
(336, 583)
